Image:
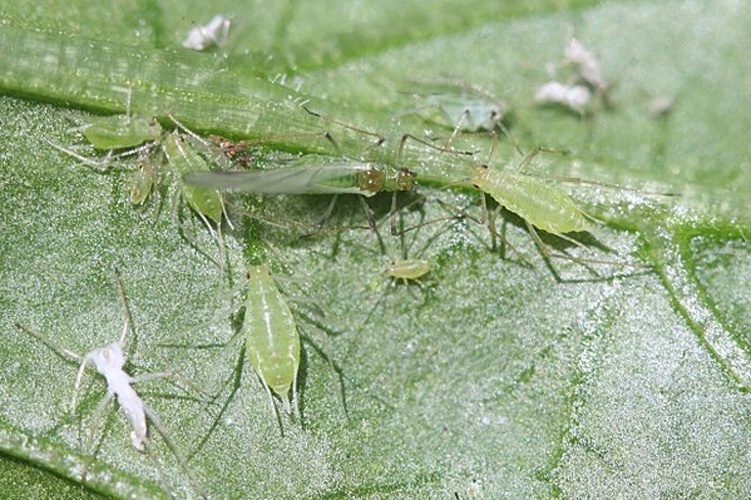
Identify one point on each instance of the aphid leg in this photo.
(235, 379)
(491, 220)
(394, 200)
(295, 401)
(175, 450)
(549, 253)
(324, 350)
(105, 163)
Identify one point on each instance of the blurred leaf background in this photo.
(493, 380)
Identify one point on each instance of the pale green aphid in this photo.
(121, 131)
(183, 158)
(535, 200)
(408, 269)
(460, 105)
(272, 339)
(143, 181)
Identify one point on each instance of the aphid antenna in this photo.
(313, 230)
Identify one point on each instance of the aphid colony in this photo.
(194, 170)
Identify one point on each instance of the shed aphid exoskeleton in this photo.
(577, 98)
(586, 83)
(461, 106)
(109, 362)
(212, 34)
(272, 340)
(588, 67)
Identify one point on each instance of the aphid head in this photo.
(495, 113)
(107, 358)
(405, 180)
(371, 180)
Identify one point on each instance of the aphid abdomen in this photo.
(135, 412)
(272, 341)
(534, 200)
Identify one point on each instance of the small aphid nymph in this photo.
(408, 269)
(182, 158)
(143, 181)
(461, 105)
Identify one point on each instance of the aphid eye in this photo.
(484, 167)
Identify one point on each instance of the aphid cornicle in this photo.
(272, 339)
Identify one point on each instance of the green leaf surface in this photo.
(505, 375)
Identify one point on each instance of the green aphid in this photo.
(121, 131)
(183, 158)
(272, 339)
(142, 181)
